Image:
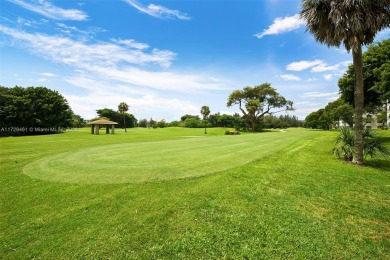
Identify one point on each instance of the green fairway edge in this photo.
(139, 162)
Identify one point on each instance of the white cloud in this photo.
(158, 11)
(325, 67)
(301, 113)
(311, 79)
(303, 65)
(318, 66)
(47, 74)
(290, 77)
(319, 94)
(328, 77)
(332, 98)
(76, 53)
(115, 62)
(143, 103)
(41, 80)
(281, 25)
(346, 63)
(132, 44)
(69, 30)
(48, 10)
(307, 104)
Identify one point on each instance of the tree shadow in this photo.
(379, 164)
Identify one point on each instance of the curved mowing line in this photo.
(162, 160)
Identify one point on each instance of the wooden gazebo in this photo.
(95, 126)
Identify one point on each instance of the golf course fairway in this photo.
(138, 162)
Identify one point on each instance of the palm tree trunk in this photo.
(359, 103)
(124, 122)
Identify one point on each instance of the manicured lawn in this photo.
(176, 193)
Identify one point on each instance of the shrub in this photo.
(345, 143)
(161, 124)
(193, 123)
(174, 124)
(232, 132)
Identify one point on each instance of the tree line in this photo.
(376, 78)
(34, 110)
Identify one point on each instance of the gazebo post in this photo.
(107, 129)
(97, 129)
(92, 129)
(112, 129)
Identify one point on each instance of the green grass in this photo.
(160, 160)
(259, 196)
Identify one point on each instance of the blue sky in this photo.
(166, 58)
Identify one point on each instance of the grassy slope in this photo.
(300, 202)
(159, 160)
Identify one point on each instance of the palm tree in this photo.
(352, 23)
(122, 108)
(205, 111)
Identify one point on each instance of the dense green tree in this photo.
(175, 123)
(255, 102)
(224, 120)
(183, 118)
(161, 124)
(330, 116)
(270, 121)
(318, 120)
(78, 121)
(353, 24)
(143, 123)
(376, 77)
(311, 120)
(123, 108)
(116, 116)
(283, 121)
(192, 122)
(205, 111)
(33, 110)
(152, 123)
(337, 111)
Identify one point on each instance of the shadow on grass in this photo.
(383, 139)
(383, 164)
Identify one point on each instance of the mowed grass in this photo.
(136, 162)
(289, 198)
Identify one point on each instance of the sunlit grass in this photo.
(295, 200)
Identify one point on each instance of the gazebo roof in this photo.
(102, 122)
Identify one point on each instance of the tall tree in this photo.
(255, 102)
(205, 111)
(123, 108)
(352, 23)
(37, 110)
(376, 77)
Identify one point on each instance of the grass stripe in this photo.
(160, 160)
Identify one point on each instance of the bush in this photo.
(33, 111)
(161, 124)
(143, 123)
(232, 132)
(345, 144)
(193, 123)
(174, 124)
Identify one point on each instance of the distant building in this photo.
(370, 120)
